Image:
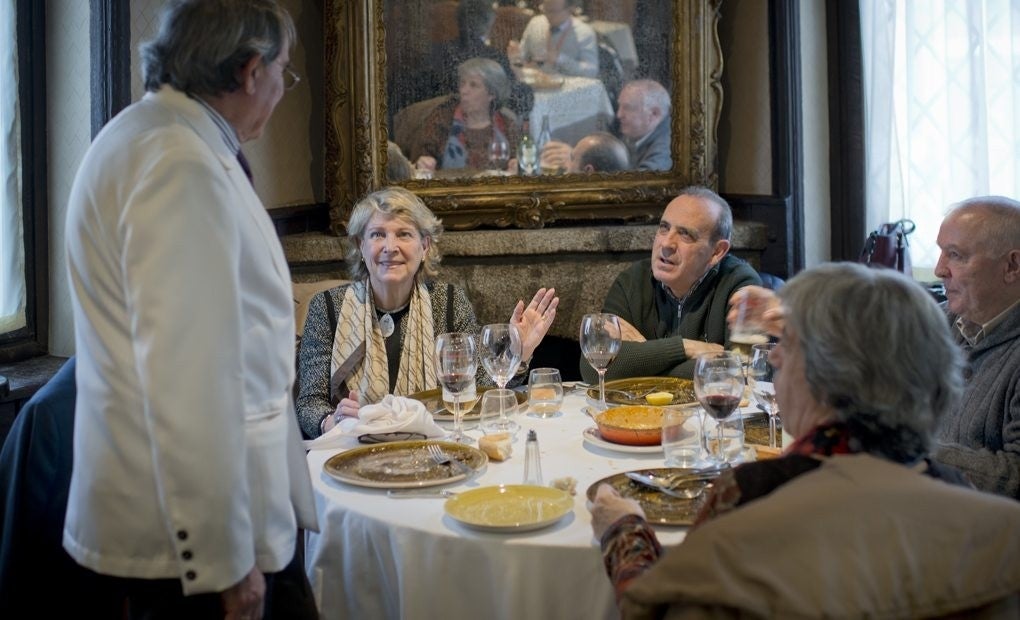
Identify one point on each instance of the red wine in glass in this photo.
(720, 406)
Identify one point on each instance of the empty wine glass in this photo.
(499, 152)
(500, 351)
(600, 342)
(719, 384)
(456, 364)
(496, 403)
(761, 376)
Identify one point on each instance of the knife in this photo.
(409, 493)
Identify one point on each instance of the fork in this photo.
(443, 458)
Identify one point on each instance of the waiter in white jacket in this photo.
(189, 481)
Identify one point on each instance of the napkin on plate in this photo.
(391, 415)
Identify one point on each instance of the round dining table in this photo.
(381, 557)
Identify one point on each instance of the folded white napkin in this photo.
(391, 415)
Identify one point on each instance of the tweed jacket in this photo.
(638, 298)
(859, 537)
(449, 313)
(982, 436)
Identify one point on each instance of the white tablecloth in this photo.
(576, 109)
(378, 557)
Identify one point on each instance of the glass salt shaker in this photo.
(532, 462)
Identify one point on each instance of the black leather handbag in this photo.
(888, 246)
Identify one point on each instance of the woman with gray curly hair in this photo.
(866, 369)
(458, 132)
(375, 336)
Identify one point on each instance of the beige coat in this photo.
(859, 537)
(187, 459)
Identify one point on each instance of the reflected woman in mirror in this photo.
(376, 335)
(458, 133)
(475, 19)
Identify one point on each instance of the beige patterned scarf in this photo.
(358, 330)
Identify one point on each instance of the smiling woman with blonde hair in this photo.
(375, 336)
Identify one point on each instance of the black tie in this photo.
(244, 166)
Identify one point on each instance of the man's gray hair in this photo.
(393, 202)
(491, 74)
(202, 44)
(724, 224)
(653, 95)
(878, 350)
(1002, 228)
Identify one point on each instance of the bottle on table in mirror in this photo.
(527, 151)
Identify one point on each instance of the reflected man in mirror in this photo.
(672, 306)
(644, 127)
(980, 267)
(644, 124)
(598, 152)
(557, 42)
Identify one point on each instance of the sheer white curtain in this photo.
(12, 248)
(942, 109)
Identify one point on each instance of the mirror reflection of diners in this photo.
(482, 88)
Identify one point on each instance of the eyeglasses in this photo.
(290, 78)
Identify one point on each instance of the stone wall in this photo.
(499, 267)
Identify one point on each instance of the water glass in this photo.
(498, 407)
(728, 433)
(545, 392)
(682, 436)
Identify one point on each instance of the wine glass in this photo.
(761, 376)
(499, 152)
(500, 351)
(718, 384)
(456, 364)
(495, 404)
(600, 342)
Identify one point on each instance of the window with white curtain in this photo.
(12, 247)
(942, 109)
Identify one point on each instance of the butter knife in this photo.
(411, 493)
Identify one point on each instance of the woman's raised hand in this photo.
(534, 320)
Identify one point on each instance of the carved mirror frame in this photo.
(356, 134)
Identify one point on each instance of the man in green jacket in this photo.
(672, 306)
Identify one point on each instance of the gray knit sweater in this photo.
(982, 437)
(641, 300)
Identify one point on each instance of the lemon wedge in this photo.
(659, 398)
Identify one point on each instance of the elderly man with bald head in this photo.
(980, 266)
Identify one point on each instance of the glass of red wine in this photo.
(719, 384)
(456, 364)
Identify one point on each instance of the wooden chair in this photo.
(611, 11)
(509, 25)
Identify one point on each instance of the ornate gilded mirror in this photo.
(380, 61)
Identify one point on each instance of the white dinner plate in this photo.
(592, 437)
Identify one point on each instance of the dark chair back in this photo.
(610, 72)
(770, 281)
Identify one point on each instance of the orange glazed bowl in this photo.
(632, 425)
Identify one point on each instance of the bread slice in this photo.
(497, 446)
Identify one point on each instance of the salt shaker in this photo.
(532, 462)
